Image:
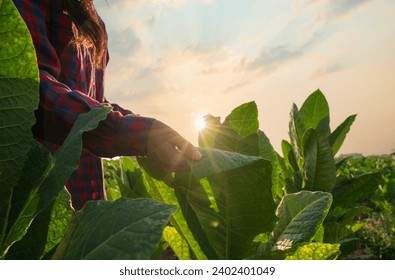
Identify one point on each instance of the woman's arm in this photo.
(60, 106)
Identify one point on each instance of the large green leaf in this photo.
(45, 177)
(336, 138)
(19, 85)
(319, 163)
(316, 251)
(238, 133)
(232, 201)
(289, 155)
(161, 191)
(296, 131)
(59, 216)
(45, 232)
(131, 182)
(341, 225)
(315, 113)
(279, 178)
(348, 192)
(66, 159)
(244, 119)
(123, 229)
(300, 216)
(177, 243)
(337, 233)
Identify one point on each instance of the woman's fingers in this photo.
(169, 149)
(186, 148)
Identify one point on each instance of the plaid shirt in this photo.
(70, 85)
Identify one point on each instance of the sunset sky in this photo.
(177, 60)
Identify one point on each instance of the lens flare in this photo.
(200, 123)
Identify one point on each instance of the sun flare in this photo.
(200, 123)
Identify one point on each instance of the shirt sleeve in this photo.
(119, 134)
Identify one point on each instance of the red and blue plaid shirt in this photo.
(70, 84)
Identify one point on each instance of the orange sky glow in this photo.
(177, 60)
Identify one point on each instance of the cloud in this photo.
(124, 42)
(207, 55)
(326, 70)
(271, 59)
(329, 10)
(238, 85)
(335, 9)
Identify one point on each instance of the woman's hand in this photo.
(168, 149)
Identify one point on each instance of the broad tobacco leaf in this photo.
(238, 133)
(177, 243)
(315, 113)
(319, 163)
(300, 216)
(227, 201)
(44, 176)
(161, 190)
(350, 191)
(19, 83)
(336, 138)
(124, 229)
(45, 232)
(244, 119)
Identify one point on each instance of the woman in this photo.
(71, 46)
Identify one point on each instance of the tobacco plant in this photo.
(245, 200)
(229, 206)
(36, 219)
(308, 162)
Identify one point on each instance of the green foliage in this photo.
(223, 189)
(384, 196)
(319, 164)
(312, 147)
(309, 164)
(224, 217)
(316, 251)
(45, 232)
(229, 215)
(35, 210)
(315, 113)
(177, 243)
(161, 188)
(19, 98)
(125, 229)
(377, 231)
(300, 217)
(299, 188)
(50, 173)
(303, 210)
(238, 133)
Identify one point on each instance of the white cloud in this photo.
(270, 59)
(330, 10)
(326, 70)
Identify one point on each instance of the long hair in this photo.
(91, 32)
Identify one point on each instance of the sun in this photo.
(200, 123)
